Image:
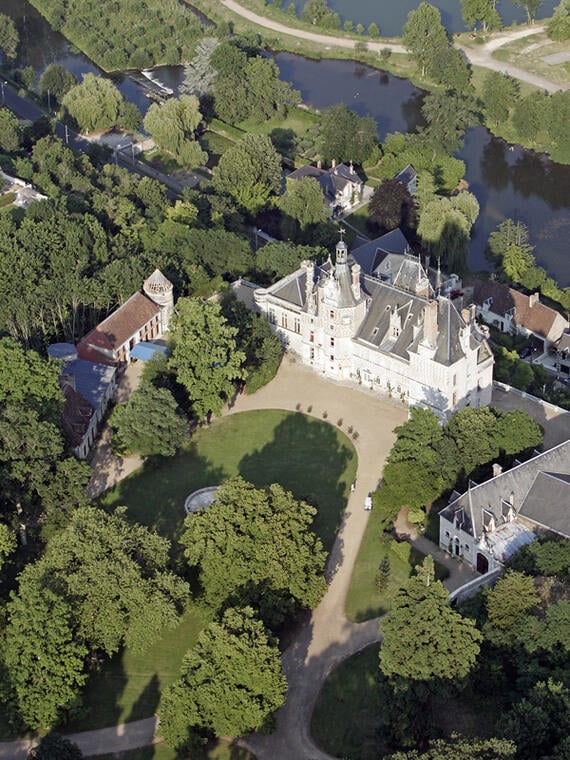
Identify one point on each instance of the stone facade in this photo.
(402, 343)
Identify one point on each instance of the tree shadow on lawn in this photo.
(322, 480)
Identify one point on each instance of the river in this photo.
(391, 16)
(508, 182)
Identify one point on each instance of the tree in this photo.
(473, 430)
(199, 74)
(529, 115)
(304, 202)
(9, 37)
(517, 431)
(445, 227)
(56, 80)
(424, 34)
(484, 11)
(460, 748)
(96, 103)
(276, 260)
(173, 125)
(449, 68)
(43, 660)
(510, 600)
(391, 205)
(54, 746)
(500, 94)
(149, 423)
(231, 681)
(8, 543)
(255, 546)
(373, 30)
(559, 117)
(558, 28)
(10, 131)
(510, 247)
(530, 8)
(424, 639)
(204, 355)
(249, 172)
(317, 12)
(447, 115)
(345, 136)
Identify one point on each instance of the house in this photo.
(514, 312)
(408, 176)
(341, 185)
(488, 523)
(394, 338)
(391, 259)
(22, 191)
(562, 357)
(87, 389)
(143, 317)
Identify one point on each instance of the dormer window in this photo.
(488, 521)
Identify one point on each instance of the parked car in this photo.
(368, 502)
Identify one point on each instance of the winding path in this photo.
(478, 56)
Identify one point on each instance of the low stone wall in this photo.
(523, 394)
(471, 588)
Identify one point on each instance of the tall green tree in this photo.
(10, 131)
(424, 34)
(424, 639)
(345, 136)
(9, 37)
(461, 748)
(249, 172)
(391, 205)
(500, 94)
(231, 681)
(56, 80)
(204, 355)
(96, 103)
(255, 546)
(484, 11)
(199, 74)
(558, 28)
(530, 114)
(303, 201)
(447, 115)
(149, 423)
(173, 125)
(317, 12)
(530, 8)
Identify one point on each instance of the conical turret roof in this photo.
(157, 283)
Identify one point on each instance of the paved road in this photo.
(478, 56)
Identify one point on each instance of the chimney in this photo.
(533, 299)
(430, 323)
(355, 270)
(333, 163)
(426, 262)
(309, 268)
(497, 469)
(319, 164)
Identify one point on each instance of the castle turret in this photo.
(355, 270)
(160, 290)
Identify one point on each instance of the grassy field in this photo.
(311, 458)
(345, 718)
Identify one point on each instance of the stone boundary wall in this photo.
(524, 394)
(472, 587)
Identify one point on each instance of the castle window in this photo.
(297, 325)
(332, 357)
(454, 379)
(454, 399)
(312, 354)
(332, 342)
(271, 316)
(284, 320)
(331, 314)
(311, 337)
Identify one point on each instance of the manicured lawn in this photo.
(345, 719)
(363, 600)
(311, 458)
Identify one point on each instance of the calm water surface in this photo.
(513, 183)
(391, 16)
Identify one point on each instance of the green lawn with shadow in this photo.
(309, 457)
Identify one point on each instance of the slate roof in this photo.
(91, 380)
(406, 175)
(122, 324)
(522, 485)
(371, 254)
(538, 318)
(563, 344)
(332, 181)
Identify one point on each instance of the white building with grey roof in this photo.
(391, 337)
(489, 522)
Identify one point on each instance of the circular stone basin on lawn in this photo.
(200, 499)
